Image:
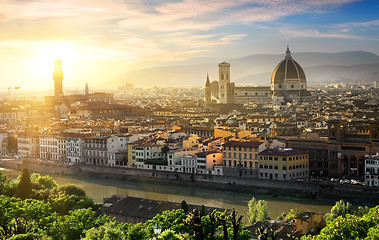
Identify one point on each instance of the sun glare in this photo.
(42, 63)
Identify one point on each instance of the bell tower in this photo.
(224, 82)
(58, 78)
(208, 93)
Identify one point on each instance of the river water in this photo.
(99, 188)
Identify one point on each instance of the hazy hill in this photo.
(322, 74)
(257, 69)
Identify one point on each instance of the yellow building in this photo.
(244, 134)
(241, 158)
(191, 142)
(223, 133)
(283, 164)
(308, 222)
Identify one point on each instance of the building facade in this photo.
(283, 164)
(241, 158)
(372, 171)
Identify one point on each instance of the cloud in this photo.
(137, 30)
(293, 32)
(359, 24)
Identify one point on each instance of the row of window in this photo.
(241, 164)
(374, 162)
(284, 158)
(283, 167)
(250, 93)
(241, 149)
(291, 176)
(48, 142)
(240, 156)
(96, 153)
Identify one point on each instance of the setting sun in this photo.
(42, 63)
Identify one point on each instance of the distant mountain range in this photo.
(257, 69)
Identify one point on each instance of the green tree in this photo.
(74, 224)
(194, 222)
(135, 231)
(6, 185)
(29, 236)
(184, 206)
(24, 216)
(168, 234)
(64, 203)
(43, 181)
(109, 231)
(24, 186)
(281, 216)
(69, 197)
(341, 208)
(350, 227)
(165, 150)
(71, 189)
(293, 213)
(257, 210)
(169, 220)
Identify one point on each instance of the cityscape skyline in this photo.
(100, 41)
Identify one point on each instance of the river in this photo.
(99, 188)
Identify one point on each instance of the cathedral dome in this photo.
(288, 69)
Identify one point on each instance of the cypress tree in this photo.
(184, 206)
(24, 186)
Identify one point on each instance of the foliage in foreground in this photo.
(349, 226)
(257, 210)
(48, 211)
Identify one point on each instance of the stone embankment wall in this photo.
(46, 167)
(325, 191)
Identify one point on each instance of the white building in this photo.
(75, 149)
(62, 149)
(145, 151)
(174, 156)
(372, 170)
(95, 151)
(28, 145)
(188, 164)
(117, 149)
(48, 147)
(202, 163)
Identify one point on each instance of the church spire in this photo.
(86, 90)
(288, 53)
(208, 83)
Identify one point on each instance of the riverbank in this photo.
(309, 190)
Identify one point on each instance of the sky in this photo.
(98, 40)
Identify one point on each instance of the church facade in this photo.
(288, 84)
